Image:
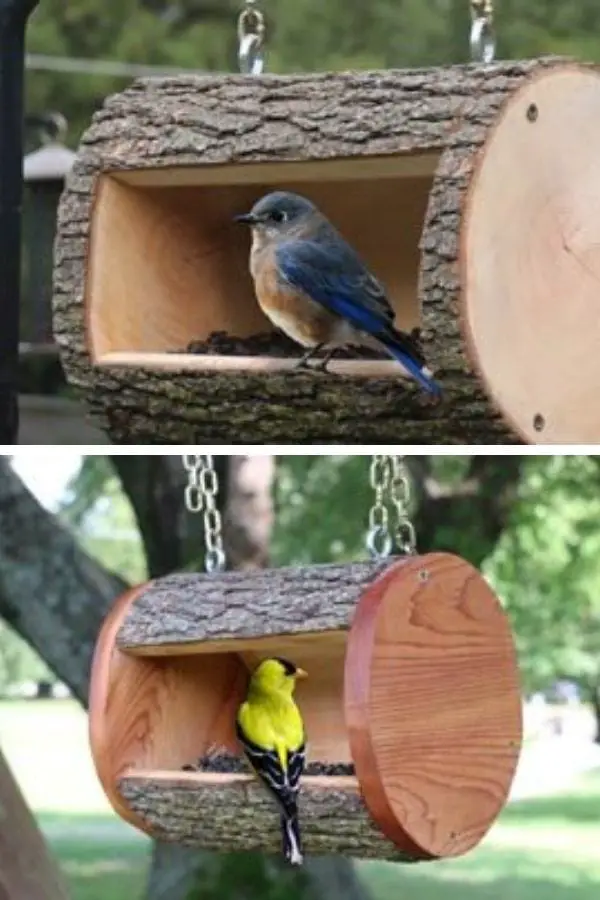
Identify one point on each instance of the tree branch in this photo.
(51, 592)
(172, 537)
(27, 869)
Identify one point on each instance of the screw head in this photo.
(539, 423)
(423, 575)
(532, 112)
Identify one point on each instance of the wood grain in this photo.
(531, 259)
(156, 713)
(421, 692)
(150, 207)
(185, 273)
(433, 704)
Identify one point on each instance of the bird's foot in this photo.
(302, 366)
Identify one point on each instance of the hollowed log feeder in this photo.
(411, 677)
(472, 192)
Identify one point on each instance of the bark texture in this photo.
(51, 592)
(243, 817)
(232, 119)
(299, 600)
(27, 870)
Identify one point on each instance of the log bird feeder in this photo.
(412, 678)
(472, 192)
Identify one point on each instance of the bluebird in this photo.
(313, 286)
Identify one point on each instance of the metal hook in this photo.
(251, 60)
(483, 40)
(379, 543)
(251, 34)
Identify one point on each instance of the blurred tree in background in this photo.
(303, 35)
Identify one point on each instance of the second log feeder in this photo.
(412, 678)
(472, 192)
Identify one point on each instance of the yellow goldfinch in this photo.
(271, 731)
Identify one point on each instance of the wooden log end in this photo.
(433, 704)
(530, 259)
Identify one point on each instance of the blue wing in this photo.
(332, 274)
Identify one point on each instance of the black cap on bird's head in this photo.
(275, 672)
(278, 208)
(289, 668)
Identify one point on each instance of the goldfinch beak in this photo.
(300, 673)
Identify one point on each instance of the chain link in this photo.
(201, 495)
(251, 38)
(390, 481)
(483, 38)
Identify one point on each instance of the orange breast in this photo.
(297, 315)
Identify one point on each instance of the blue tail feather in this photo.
(417, 370)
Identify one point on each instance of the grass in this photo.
(100, 860)
(541, 849)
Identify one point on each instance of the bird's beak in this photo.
(246, 219)
(300, 673)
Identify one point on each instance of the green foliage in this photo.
(322, 505)
(96, 508)
(302, 36)
(546, 565)
(547, 568)
(249, 875)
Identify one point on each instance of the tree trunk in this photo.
(51, 592)
(27, 869)
(467, 518)
(596, 710)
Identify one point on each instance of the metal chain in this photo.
(390, 481)
(200, 495)
(251, 38)
(483, 38)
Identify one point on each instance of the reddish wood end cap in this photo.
(433, 704)
(156, 713)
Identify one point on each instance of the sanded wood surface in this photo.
(147, 713)
(433, 703)
(198, 613)
(236, 813)
(531, 259)
(230, 134)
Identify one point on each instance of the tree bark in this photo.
(334, 820)
(51, 592)
(288, 600)
(218, 121)
(27, 869)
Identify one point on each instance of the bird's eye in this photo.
(278, 215)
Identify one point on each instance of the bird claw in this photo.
(302, 366)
